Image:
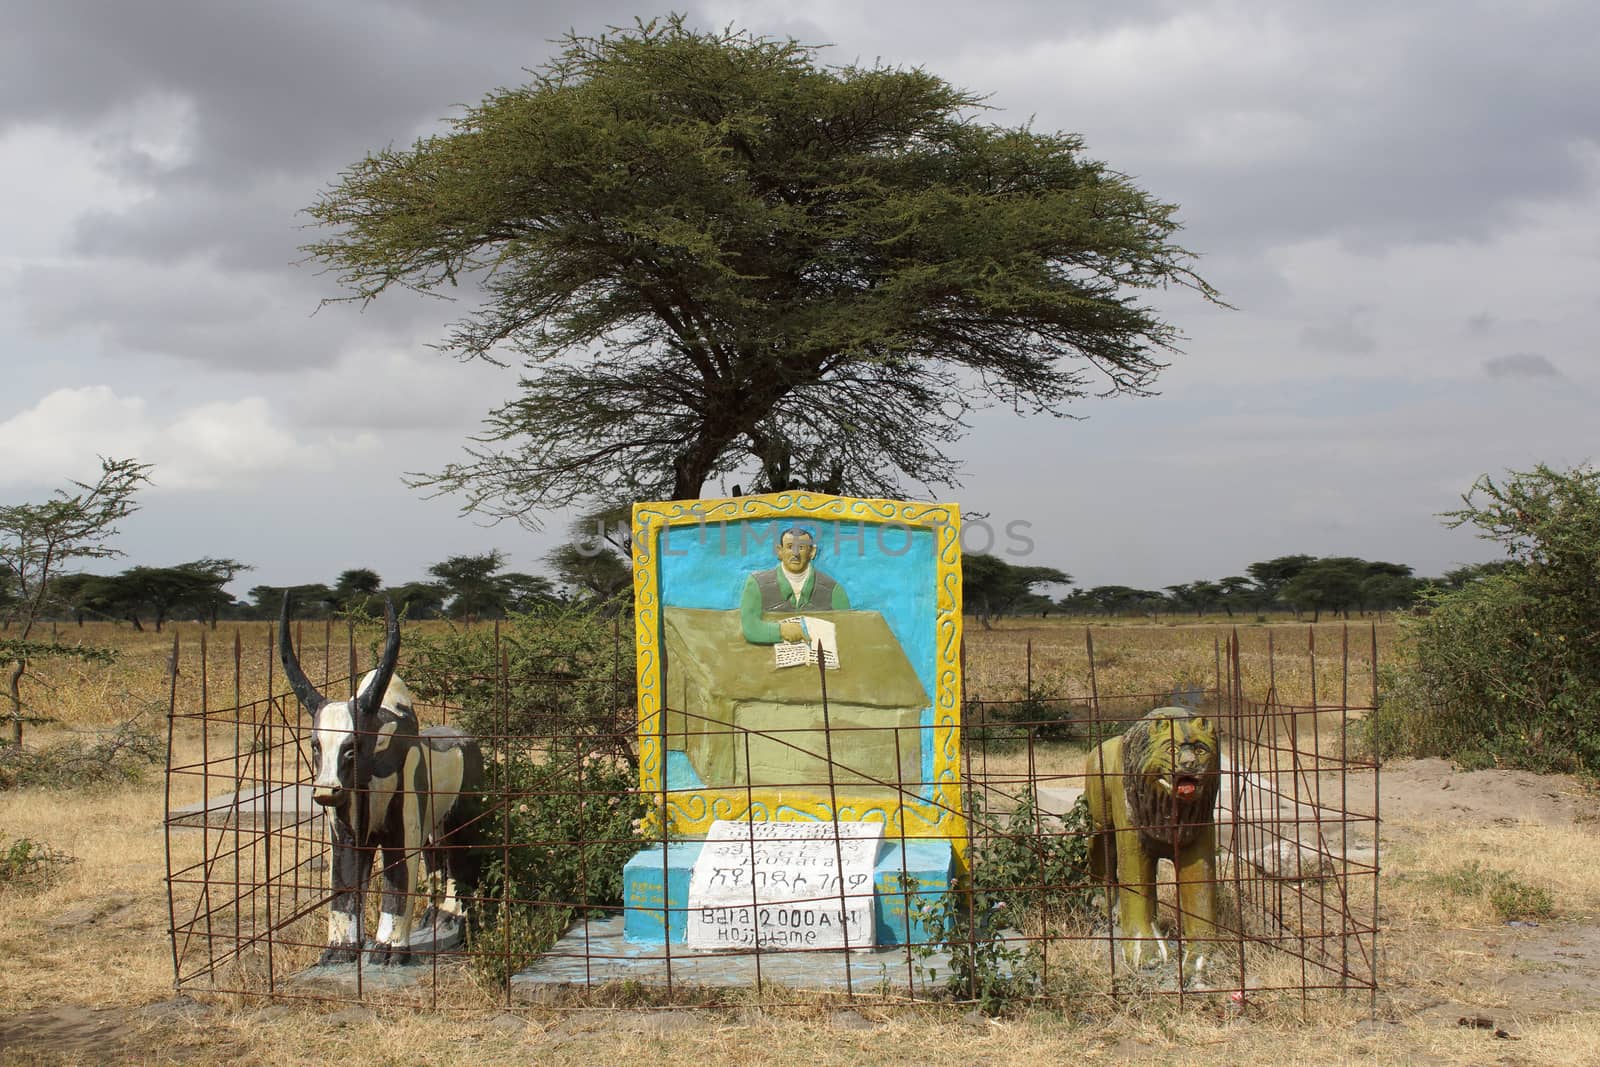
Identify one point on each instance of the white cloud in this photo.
(220, 444)
(51, 177)
(47, 179)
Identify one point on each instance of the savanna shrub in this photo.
(1507, 667)
(121, 754)
(561, 824)
(1040, 871)
(569, 674)
(30, 863)
(553, 706)
(1029, 875)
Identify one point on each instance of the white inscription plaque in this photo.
(784, 885)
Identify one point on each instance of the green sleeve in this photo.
(841, 602)
(757, 631)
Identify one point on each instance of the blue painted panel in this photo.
(643, 896)
(927, 869)
(681, 773)
(889, 569)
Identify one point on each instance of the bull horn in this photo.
(371, 698)
(298, 681)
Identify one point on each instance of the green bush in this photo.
(1506, 669)
(1028, 874)
(1038, 871)
(553, 703)
(570, 817)
(569, 674)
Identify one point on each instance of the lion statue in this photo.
(1152, 795)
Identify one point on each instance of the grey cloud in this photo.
(1340, 337)
(280, 98)
(1481, 324)
(278, 87)
(243, 320)
(1521, 365)
(1422, 121)
(259, 227)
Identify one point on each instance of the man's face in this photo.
(795, 552)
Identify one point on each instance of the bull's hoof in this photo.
(389, 956)
(338, 954)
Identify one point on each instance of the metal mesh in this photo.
(1296, 875)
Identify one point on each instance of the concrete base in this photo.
(251, 809)
(651, 879)
(597, 951)
(429, 946)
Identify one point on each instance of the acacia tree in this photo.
(38, 540)
(991, 587)
(595, 574)
(712, 253)
(356, 589)
(474, 585)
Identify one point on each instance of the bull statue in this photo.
(388, 787)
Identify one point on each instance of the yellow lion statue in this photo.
(1152, 795)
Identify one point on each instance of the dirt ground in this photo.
(85, 968)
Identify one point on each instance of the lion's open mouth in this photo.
(1183, 786)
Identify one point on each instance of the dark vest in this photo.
(775, 591)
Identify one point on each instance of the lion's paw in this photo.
(1142, 951)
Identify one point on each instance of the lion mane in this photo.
(1158, 748)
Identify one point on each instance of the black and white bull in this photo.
(388, 788)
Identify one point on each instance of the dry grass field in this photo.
(86, 965)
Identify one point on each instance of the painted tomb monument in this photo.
(799, 695)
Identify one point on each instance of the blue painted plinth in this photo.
(655, 886)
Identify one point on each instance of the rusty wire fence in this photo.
(1022, 918)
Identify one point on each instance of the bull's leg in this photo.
(394, 914)
(345, 876)
(434, 878)
(456, 861)
(461, 862)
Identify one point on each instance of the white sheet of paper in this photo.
(797, 653)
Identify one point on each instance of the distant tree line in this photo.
(471, 588)
(468, 588)
(1302, 584)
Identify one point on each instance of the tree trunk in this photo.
(16, 701)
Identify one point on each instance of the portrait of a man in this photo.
(794, 585)
(731, 721)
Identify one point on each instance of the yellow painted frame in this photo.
(690, 813)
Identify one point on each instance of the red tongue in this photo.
(1186, 789)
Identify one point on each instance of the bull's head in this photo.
(343, 732)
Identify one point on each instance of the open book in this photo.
(800, 653)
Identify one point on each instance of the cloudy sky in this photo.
(1400, 201)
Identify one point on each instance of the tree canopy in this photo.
(712, 253)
